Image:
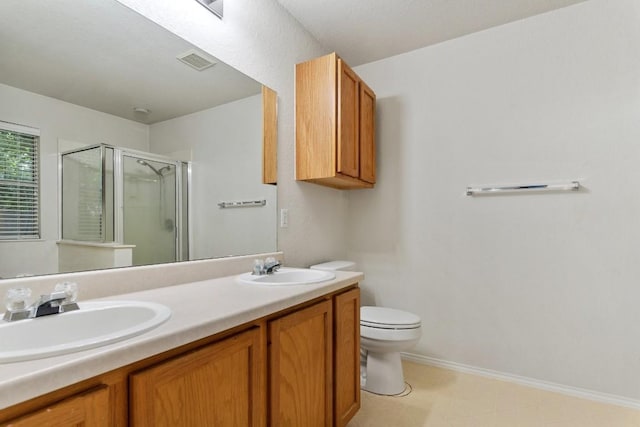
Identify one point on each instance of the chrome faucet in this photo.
(268, 266)
(53, 303)
(63, 299)
(271, 267)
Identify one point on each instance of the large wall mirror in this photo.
(122, 144)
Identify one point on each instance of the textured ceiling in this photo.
(362, 31)
(104, 56)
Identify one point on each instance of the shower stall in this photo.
(116, 196)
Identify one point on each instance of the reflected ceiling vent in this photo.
(215, 6)
(196, 60)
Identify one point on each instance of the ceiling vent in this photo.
(215, 6)
(196, 60)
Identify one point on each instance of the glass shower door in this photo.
(83, 196)
(149, 209)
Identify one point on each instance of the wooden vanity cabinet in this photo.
(335, 125)
(346, 356)
(314, 364)
(89, 408)
(220, 384)
(298, 367)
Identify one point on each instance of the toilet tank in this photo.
(335, 266)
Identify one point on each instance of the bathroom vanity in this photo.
(232, 354)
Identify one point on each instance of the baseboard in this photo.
(530, 382)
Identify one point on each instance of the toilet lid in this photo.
(388, 318)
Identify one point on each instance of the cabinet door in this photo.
(316, 118)
(367, 134)
(87, 409)
(300, 369)
(346, 399)
(348, 118)
(221, 384)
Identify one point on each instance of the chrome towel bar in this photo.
(242, 204)
(568, 186)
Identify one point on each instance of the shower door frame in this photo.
(103, 200)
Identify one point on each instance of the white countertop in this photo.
(199, 310)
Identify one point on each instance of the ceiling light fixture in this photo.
(214, 6)
(141, 110)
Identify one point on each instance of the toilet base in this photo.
(384, 373)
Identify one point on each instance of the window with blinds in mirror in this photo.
(19, 182)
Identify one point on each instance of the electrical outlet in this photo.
(284, 218)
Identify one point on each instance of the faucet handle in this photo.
(17, 298)
(70, 289)
(16, 301)
(258, 266)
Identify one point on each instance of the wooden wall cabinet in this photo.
(299, 367)
(335, 125)
(269, 136)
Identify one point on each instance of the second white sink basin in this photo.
(95, 324)
(288, 276)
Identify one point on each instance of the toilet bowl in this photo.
(384, 333)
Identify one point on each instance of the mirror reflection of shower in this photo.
(150, 209)
(167, 221)
(158, 172)
(126, 197)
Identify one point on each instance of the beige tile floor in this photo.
(441, 397)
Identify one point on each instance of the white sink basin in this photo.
(95, 324)
(287, 276)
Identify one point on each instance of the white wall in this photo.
(226, 145)
(263, 41)
(56, 120)
(544, 286)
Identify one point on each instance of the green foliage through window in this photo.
(19, 185)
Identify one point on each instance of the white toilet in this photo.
(384, 333)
